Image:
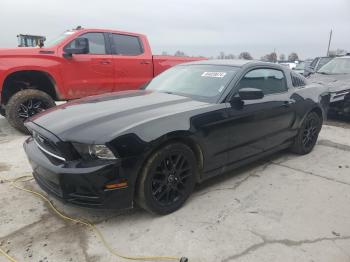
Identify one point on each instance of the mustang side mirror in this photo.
(79, 46)
(248, 93)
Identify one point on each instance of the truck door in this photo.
(89, 74)
(133, 67)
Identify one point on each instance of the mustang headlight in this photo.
(94, 151)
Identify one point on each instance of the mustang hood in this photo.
(99, 119)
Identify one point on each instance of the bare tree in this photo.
(282, 57)
(293, 57)
(272, 57)
(221, 55)
(264, 58)
(230, 56)
(179, 53)
(245, 55)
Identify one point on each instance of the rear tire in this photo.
(307, 136)
(26, 104)
(167, 179)
(2, 111)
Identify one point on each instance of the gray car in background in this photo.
(300, 67)
(316, 64)
(336, 76)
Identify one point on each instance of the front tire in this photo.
(26, 104)
(167, 179)
(307, 136)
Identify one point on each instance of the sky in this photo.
(197, 27)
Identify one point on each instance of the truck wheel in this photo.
(167, 179)
(308, 134)
(26, 104)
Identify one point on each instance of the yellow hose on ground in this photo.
(79, 221)
(7, 256)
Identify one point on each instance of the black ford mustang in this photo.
(190, 123)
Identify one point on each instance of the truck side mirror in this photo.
(78, 46)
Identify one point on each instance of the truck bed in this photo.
(163, 62)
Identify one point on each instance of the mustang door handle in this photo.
(288, 102)
(145, 62)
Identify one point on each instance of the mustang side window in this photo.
(270, 81)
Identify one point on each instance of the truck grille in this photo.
(47, 146)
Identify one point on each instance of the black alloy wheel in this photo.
(307, 136)
(310, 133)
(26, 104)
(30, 107)
(168, 179)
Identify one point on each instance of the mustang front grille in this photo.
(47, 146)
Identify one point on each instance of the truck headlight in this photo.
(94, 151)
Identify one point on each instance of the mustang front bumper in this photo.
(80, 182)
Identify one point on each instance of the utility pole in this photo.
(329, 42)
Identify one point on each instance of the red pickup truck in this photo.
(78, 63)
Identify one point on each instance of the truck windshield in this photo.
(336, 66)
(201, 82)
(54, 41)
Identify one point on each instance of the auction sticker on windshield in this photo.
(214, 74)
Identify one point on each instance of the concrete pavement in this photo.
(284, 208)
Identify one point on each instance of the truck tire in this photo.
(26, 104)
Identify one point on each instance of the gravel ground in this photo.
(285, 208)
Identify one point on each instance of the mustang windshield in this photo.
(202, 82)
(336, 66)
